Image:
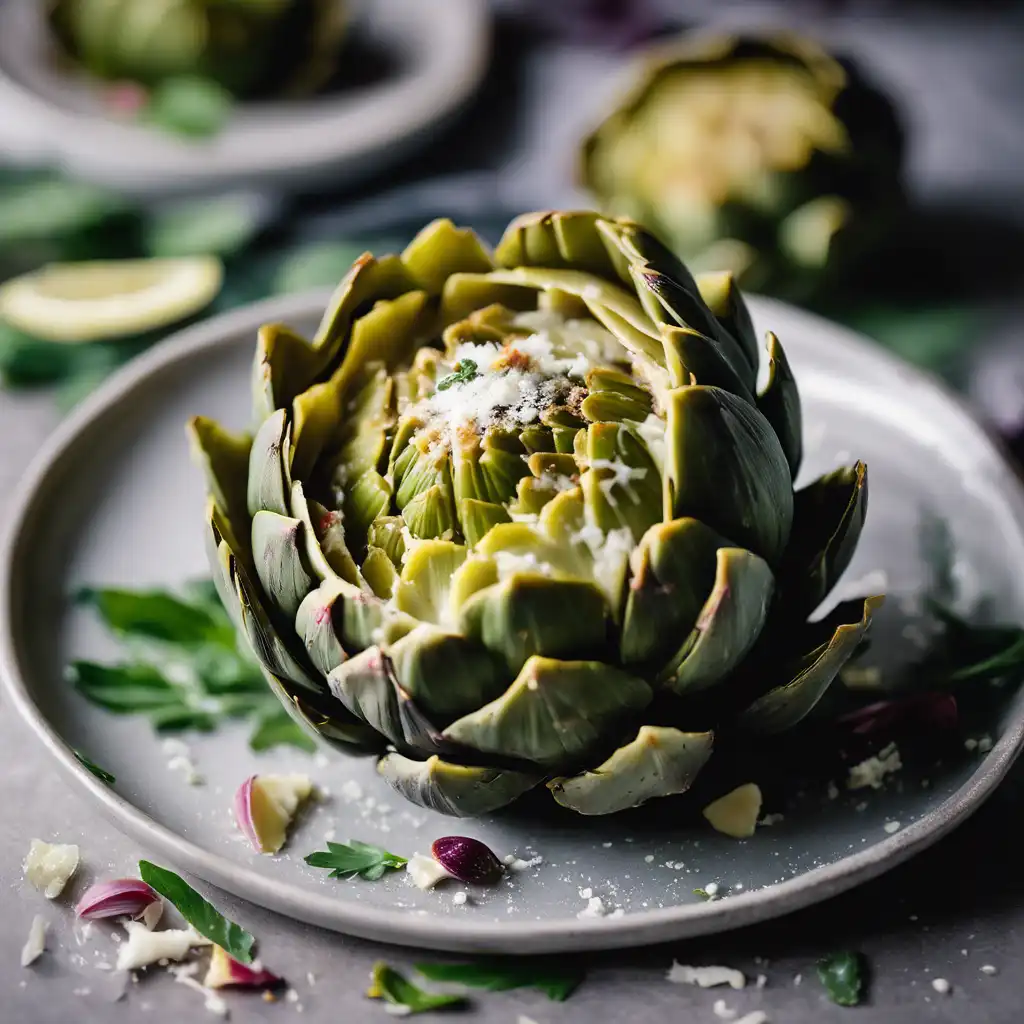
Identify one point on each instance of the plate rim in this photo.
(637, 928)
(81, 143)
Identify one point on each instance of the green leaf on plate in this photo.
(218, 226)
(203, 916)
(355, 858)
(159, 615)
(842, 975)
(397, 990)
(95, 769)
(189, 105)
(277, 729)
(557, 983)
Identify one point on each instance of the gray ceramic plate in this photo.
(436, 53)
(115, 499)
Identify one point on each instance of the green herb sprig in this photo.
(557, 983)
(842, 974)
(347, 860)
(184, 668)
(397, 990)
(465, 371)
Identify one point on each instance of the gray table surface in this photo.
(946, 914)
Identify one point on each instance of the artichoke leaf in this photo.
(779, 403)
(369, 279)
(692, 357)
(278, 551)
(364, 500)
(724, 465)
(425, 584)
(379, 572)
(785, 705)
(530, 613)
(446, 674)
(828, 516)
(622, 485)
(723, 297)
(478, 517)
(270, 483)
(316, 623)
(285, 365)
(554, 713)
(674, 568)
(224, 457)
(659, 761)
(728, 625)
(441, 249)
(325, 549)
(270, 649)
(556, 240)
(461, 791)
(367, 686)
(220, 558)
(465, 294)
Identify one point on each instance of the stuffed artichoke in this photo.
(247, 46)
(522, 517)
(766, 157)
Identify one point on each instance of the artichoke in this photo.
(522, 517)
(767, 157)
(247, 46)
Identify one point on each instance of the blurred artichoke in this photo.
(766, 157)
(522, 517)
(247, 46)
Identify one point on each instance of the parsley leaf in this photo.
(557, 983)
(842, 976)
(203, 916)
(465, 371)
(355, 858)
(100, 773)
(703, 894)
(186, 669)
(394, 988)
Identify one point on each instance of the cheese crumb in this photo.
(49, 866)
(941, 986)
(736, 813)
(425, 872)
(351, 791)
(711, 888)
(595, 908)
(460, 898)
(514, 863)
(754, 1017)
(705, 977)
(891, 827)
(722, 1011)
(35, 944)
(873, 770)
(145, 947)
(989, 969)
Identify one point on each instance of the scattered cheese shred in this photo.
(736, 813)
(705, 977)
(35, 944)
(49, 866)
(873, 770)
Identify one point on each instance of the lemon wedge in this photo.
(96, 300)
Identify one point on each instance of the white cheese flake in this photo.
(754, 1017)
(723, 1011)
(35, 944)
(941, 986)
(145, 947)
(425, 872)
(595, 908)
(517, 864)
(891, 827)
(736, 813)
(461, 898)
(706, 977)
(49, 866)
(351, 791)
(988, 969)
(873, 770)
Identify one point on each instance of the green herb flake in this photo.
(465, 371)
(397, 990)
(203, 916)
(703, 894)
(355, 858)
(842, 974)
(557, 983)
(95, 769)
